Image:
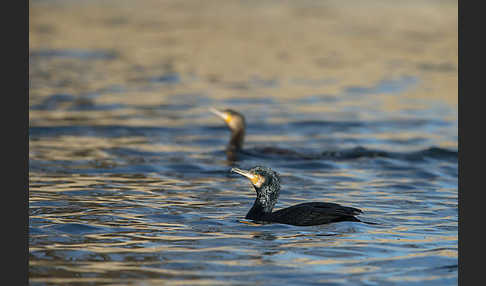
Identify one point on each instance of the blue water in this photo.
(123, 203)
(129, 183)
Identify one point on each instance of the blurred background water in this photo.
(128, 179)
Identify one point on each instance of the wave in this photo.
(353, 153)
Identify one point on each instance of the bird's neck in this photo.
(237, 138)
(258, 211)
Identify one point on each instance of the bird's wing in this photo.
(315, 213)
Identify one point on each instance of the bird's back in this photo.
(314, 213)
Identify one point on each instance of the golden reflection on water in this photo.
(224, 42)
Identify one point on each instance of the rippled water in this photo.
(128, 178)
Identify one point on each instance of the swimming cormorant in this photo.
(267, 186)
(236, 123)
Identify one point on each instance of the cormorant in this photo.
(267, 186)
(236, 123)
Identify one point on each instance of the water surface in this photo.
(128, 179)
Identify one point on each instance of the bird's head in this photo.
(266, 183)
(233, 119)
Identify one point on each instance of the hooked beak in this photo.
(220, 114)
(252, 177)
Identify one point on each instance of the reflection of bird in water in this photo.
(236, 123)
(267, 186)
